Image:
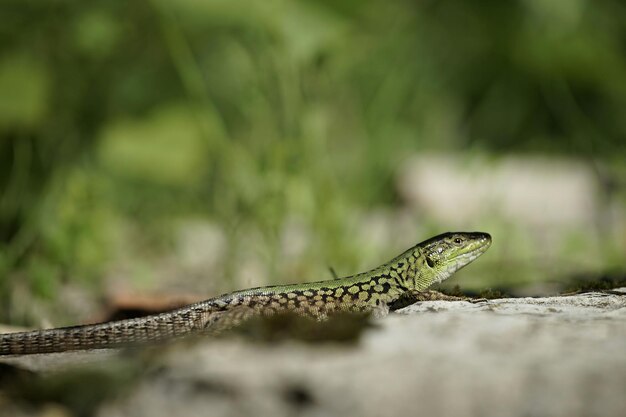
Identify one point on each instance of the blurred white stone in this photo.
(201, 245)
(537, 191)
(251, 259)
(251, 272)
(295, 238)
(382, 230)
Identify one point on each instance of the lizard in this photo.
(402, 280)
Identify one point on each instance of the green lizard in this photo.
(404, 277)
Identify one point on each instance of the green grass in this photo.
(284, 126)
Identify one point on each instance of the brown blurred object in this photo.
(127, 306)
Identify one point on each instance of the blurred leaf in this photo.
(166, 147)
(25, 88)
(97, 33)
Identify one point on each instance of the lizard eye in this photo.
(458, 240)
(430, 262)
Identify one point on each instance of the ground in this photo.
(556, 356)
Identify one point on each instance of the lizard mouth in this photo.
(474, 253)
(482, 244)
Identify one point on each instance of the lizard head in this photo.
(447, 253)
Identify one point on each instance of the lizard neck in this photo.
(408, 271)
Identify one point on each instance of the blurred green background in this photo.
(200, 146)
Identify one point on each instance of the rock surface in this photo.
(556, 356)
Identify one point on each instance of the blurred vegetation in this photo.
(120, 120)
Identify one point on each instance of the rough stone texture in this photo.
(554, 356)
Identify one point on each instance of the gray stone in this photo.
(551, 356)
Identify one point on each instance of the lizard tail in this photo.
(114, 334)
